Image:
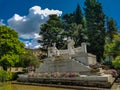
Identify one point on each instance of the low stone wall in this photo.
(92, 81)
(104, 78)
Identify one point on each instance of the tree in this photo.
(10, 47)
(111, 28)
(51, 32)
(74, 26)
(75, 17)
(76, 32)
(95, 20)
(28, 59)
(79, 16)
(69, 18)
(112, 48)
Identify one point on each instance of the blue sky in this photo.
(16, 13)
(9, 7)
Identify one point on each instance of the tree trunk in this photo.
(5, 68)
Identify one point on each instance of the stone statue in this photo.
(56, 51)
(71, 44)
(84, 47)
(53, 51)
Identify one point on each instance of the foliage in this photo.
(76, 32)
(79, 16)
(43, 54)
(51, 32)
(5, 75)
(112, 47)
(74, 26)
(10, 47)
(15, 76)
(95, 22)
(68, 18)
(111, 28)
(75, 17)
(116, 63)
(28, 59)
(109, 47)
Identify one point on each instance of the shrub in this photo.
(116, 63)
(5, 75)
(25, 70)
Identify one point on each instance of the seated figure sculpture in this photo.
(70, 45)
(53, 51)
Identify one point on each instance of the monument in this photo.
(71, 66)
(70, 60)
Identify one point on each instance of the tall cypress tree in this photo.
(95, 27)
(75, 17)
(69, 18)
(79, 16)
(74, 25)
(111, 28)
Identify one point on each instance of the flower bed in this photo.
(54, 74)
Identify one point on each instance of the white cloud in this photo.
(28, 26)
(33, 44)
(1, 22)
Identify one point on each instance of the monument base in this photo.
(87, 81)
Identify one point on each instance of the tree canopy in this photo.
(51, 32)
(116, 63)
(95, 20)
(74, 25)
(10, 47)
(111, 28)
(28, 59)
(112, 47)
